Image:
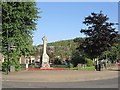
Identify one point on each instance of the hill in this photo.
(62, 49)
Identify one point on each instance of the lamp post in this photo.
(9, 47)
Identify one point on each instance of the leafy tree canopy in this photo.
(101, 35)
(18, 23)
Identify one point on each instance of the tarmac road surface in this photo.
(62, 79)
(107, 83)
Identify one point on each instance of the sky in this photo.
(63, 20)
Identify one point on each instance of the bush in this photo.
(59, 66)
(71, 65)
(76, 60)
(34, 66)
(22, 66)
(57, 61)
(14, 60)
(37, 66)
(4, 66)
(17, 67)
(89, 62)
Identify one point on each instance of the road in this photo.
(107, 83)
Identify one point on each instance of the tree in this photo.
(100, 35)
(63, 48)
(114, 53)
(18, 24)
(77, 56)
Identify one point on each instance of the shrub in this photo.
(4, 66)
(59, 66)
(37, 66)
(57, 61)
(76, 60)
(22, 66)
(89, 62)
(71, 65)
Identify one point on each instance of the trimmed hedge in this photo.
(59, 66)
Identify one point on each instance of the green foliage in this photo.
(19, 21)
(115, 50)
(113, 53)
(14, 60)
(4, 66)
(88, 68)
(57, 61)
(63, 48)
(71, 65)
(35, 65)
(78, 40)
(85, 68)
(59, 66)
(100, 35)
(89, 62)
(22, 66)
(77, 58)
(32, 66)
(74, 68)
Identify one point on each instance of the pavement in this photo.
(60, 75)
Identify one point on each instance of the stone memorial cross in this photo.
(45, 57)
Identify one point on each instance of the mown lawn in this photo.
(83, 68)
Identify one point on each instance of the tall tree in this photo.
(100, 35)
(18, 24)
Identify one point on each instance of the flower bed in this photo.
(118, 64)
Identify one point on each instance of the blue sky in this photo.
(63, 20)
